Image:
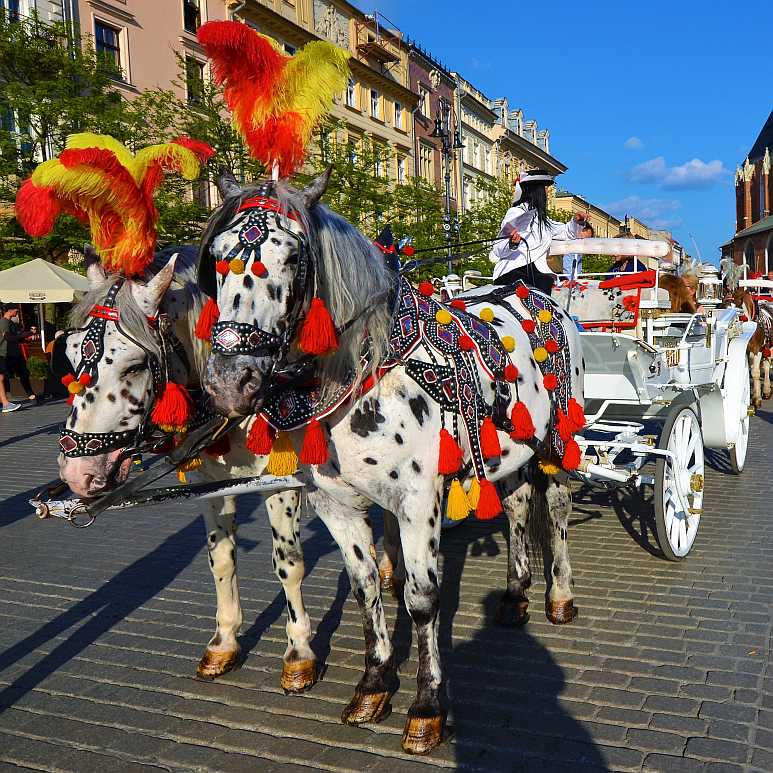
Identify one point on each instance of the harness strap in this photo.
(266, 202)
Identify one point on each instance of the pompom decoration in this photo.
(222, 267)
(220, 447)
(523, 426)
(540, 354)
(449, 454)
(173, 408)
(407, 250)
(551, 345)
(318, 333)
(509, 343)
(236, 266)
(489, 505)
(572, 455)
(283, 460)
(68, 379)
(261, 436)
(511, 373)
(489, 440)
(458, 303)
(85, 379)
(766, 352)
(473, 493)
(443, 316)
(209, 315)
(314, 449)
(576, 415)
(426, 289)
(100, 182)
(458, 505)
(259, 269)
(466, 344)
(564, 426)
(487, 314)
(550, 381)
(529, 325)
(544, 316)
(522, 292)
(75, 387)
(275, 100)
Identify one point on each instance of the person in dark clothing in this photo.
(626, 264)
(15, 364)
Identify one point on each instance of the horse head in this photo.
(273, 257)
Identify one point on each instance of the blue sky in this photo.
(651, 104)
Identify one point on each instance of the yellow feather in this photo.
(105, 141)
(171, 156)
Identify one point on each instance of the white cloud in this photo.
(633, 143)
(655, 212)
(691, 174)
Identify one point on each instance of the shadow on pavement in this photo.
(17, 507)
(50, 429)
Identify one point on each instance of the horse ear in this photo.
(227, 184)
(314, 191)
(94, 271)
(149, 296)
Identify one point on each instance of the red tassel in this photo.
(572, 454)
(766, 352)
(209, 315)
(489, 440)
(489, 505)
(449, 455)
(220, 447)
(261, 437)
(576, 415)
(564, 426)
(70, 399)
(314, 450)
(173, 407)
(318, 333)
(523, 426)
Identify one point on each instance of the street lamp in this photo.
(450, 142)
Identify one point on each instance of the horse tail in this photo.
(539, 514)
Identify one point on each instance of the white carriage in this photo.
(659, 387)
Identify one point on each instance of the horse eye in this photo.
(136, 368)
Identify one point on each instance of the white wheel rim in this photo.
(743, 431)
(686, 443)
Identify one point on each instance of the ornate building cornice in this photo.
(748, 170)
(766, 161)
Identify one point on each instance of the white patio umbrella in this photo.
(39, 281)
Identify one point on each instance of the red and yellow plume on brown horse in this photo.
(99, 181)
(276, 100)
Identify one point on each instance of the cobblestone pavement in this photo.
(667, 667)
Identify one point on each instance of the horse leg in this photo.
(767, 389)
(299, 663)
(514, 604)
(754, 363)
(389, 568)
(420, 536)
(222, 652)
(351, 530)
(560, 599)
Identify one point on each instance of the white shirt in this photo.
(534, 246)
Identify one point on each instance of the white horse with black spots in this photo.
(384, 447)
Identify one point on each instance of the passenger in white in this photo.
(524, 253)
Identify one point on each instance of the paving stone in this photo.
(666, 763)
(652, 740)
(713, 749)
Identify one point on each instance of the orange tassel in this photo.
(489, 440)
(318, 333)
(220, 447)
(564, 426)
(576, 415)
(523, 426)
(489, 505)
(572, 455)
(173, 407)
(207, 318)
(449, 455)
(261, 437)
(314, 450)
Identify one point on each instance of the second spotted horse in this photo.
(386, 396)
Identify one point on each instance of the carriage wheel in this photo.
(738, 451)
(677, 523)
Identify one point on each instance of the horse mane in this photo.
(133, 318)
(681, 300)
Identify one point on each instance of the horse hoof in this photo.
(367, 707)
(214, 664)
(422, 734)
(512, 612)
(560, 612)
(298, 676)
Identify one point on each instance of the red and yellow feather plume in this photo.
(276, 100)
(97, 179)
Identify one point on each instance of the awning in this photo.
(39, 281)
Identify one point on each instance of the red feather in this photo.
(36, 209)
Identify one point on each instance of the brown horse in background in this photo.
(680, 292)
(760, 343)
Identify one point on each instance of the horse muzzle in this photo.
(236, 383)
(90, 476)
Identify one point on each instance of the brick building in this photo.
(753, 240)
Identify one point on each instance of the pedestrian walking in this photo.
(15, 362)
(8, 312)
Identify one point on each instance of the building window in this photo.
(375, 104)
(191, 16)
(426, 165)
(352, 151)
(400, 170)
(351, 93)
(108, 42)
(487, 161)
(194, 79)
(11, 8)
(424, 105)
(398, 116)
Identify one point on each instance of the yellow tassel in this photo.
(548, 467)
(187, 466)
(283, 460)
(457, 506)
(473, 494)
